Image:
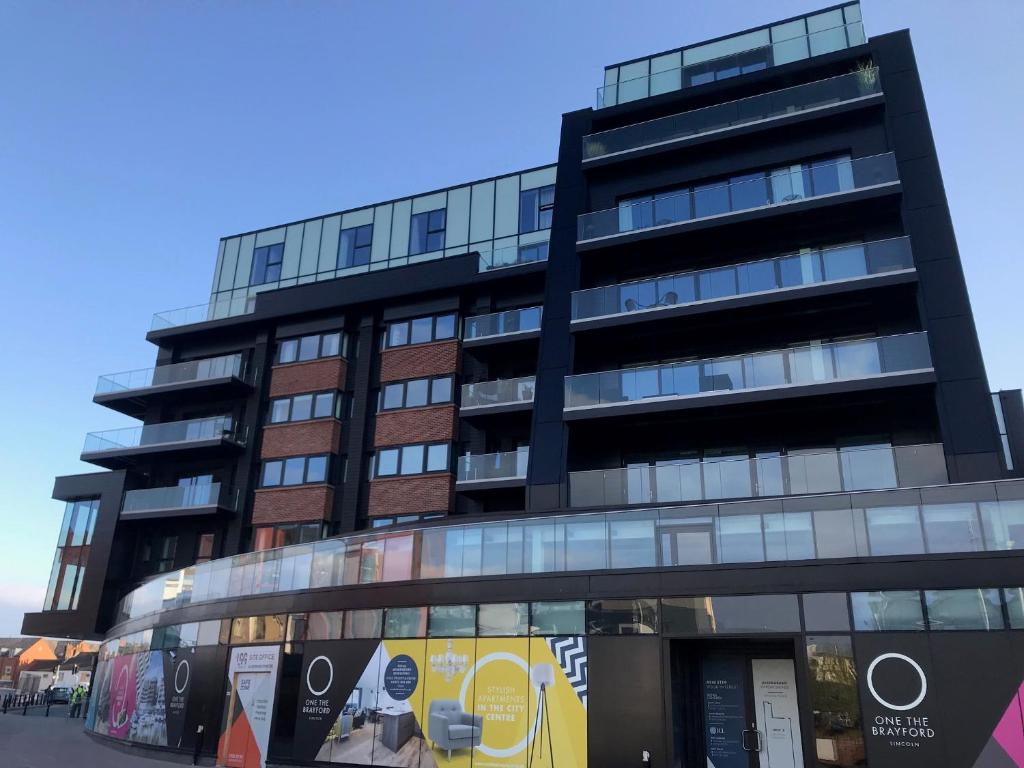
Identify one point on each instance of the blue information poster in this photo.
(724, 711)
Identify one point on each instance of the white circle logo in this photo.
(330, 675)
(914, 665)
(480, 664)
(188, 673)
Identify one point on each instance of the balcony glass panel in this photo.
(195, 370)
(512, 256)
(734, 532)
(776, 187)
(193, 430)
(494, 466)
(799, 98)
(737, 55)
(501, 392)
(201, 313)
(812, 364)
(178, 497)
(503, 323)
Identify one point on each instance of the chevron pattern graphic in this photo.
(571, 653)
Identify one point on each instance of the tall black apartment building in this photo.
(677, 452)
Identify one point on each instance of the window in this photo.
(297, 470)
(452, 621)
(320, 405)
(426, 232)
(730, 614)
(412, 460)
(419, 330)
(266, 264)
(826, 612)
(157, 555)
(951, 609)
(204, 547)
(531, 253)
(257, 629)
(415, 393)
(887, 611)
(405, 622)
(354, 246)
(273, 536)
(363, 624)
(68, 570)
(832, 674)
(311, 347)
(622, 617)
(558, 618)
(503, 620)
(536, 207)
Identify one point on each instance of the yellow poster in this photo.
(558, 723)
(398, 736)
(504, 699)
(452, 729)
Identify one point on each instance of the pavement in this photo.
(34, 741)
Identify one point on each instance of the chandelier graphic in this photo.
(449, 663)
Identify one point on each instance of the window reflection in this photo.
(839, 739)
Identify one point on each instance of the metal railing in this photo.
(843, 525)
(500, 392)
(169, 432)
(787, 101)
(799, 365)
(506, 465)
(856, 468)
(780, 186)
(179, 497)
(201, 313)
(504, 323)
(175, 373)
(795, 270)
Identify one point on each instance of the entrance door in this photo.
(750, 712)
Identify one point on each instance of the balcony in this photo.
(131, 392)
(492, 470)
(808, 273)
(178, 501)
(203, 313)
(753, 51)
(117, 448)
(513, 256)
(788, 188)
(821, 97)
(511, 325)
(811, 369)
(859, 468)
(501, 396)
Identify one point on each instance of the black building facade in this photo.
(679, 452)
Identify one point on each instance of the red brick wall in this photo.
(301, 439)
(411, 495)
(415, 425)
(432, 359)
(292, 505)
(311, 376)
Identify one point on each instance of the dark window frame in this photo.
(336, 406)
(405, 393)
(433, 330)
(305, 471)
(428, 228)
(540, 213)
(375, 466)
(350, 254)
(297, 341)
(264, 265)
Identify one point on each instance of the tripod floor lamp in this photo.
(543, 676)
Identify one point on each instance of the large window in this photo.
(273, 536)
(72, 554)
(297, 470)
(832, 674)
(266, 264)
(158, 553)
(354, 246)
(311, 347)
(887, 611)
(319, 405)
(536, 207)
(419, 330)
(412, 460)
(416, 393)
(426, 232)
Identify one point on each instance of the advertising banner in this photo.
(122, 696)
(178, 669)
(398, 739)
(723, 682)
(251, 687)
(148, 721)
(99, 699)
(777, 713)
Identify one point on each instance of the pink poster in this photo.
(122, 695)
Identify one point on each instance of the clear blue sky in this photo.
(134, 134)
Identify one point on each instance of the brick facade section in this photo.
(434, 359)
(311, 376)
(411, 495)
(292, 505)
(415, 425)
(301, 439)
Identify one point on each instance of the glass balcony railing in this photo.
(166, 433)
(750, 52)
(500, 392)
(857, 468)
(177, 373)
(788, 101)
(502, 323)
(178, 497)
(509, 465)
(807, 364)
(780, 186)
(513, 256)
(850, 525)
(795, 270)
(201, 313)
